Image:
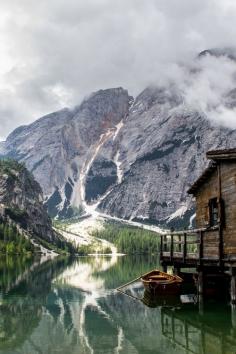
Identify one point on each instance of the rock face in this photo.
(21, 202)
(59, 148)
(161, 150)
(133, 159)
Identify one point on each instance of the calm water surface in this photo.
(70, 306)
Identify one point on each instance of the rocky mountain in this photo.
(59, 148)
(133, 159)
(161, 151)
(21, 204)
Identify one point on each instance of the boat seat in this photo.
(158, 277)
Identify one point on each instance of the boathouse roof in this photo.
(226, 154)
(214, 156)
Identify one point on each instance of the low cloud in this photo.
(209, 86)
(53, 53)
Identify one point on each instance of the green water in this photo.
(71, 306)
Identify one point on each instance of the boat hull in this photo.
(162, 283)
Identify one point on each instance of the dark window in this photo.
(213, 211)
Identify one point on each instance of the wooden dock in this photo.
(191, 248)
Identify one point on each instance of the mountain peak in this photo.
(229, 52)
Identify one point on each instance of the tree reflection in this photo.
(25, 284)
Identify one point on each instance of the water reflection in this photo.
(12, 269)
(70, 306)
(196, 333)
(24, 284)
(153, 301)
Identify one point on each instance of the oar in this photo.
(132, 281)
(129, 295)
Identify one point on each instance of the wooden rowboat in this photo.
(161, 282)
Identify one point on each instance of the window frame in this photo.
(213, 205)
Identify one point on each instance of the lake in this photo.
(70, 305)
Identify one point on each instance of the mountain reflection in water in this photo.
(71, 306)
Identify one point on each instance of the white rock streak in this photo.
(119, 126)
(78, 197)
(178, 213)
(119, 169)
(191, 220)
(88, 163)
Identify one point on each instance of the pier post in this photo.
(176, 270)
(200, 284)
(200, 290)
(164, 267)
(233, 316)
(233, 285)
(201, 304)
(161, 247)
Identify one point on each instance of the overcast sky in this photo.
(55, 52)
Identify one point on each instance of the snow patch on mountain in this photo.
(179, 213)
(118, 165)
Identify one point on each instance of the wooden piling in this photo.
(233, 316)
(200, 283)
(164, 267)
(233, 285)
(176, 270)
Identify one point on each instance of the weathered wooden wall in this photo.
(210, 190)
(211, 245)
(207, 191)
(228, 188)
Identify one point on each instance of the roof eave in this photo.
(227, 154)
(208, 171)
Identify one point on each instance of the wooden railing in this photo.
(182, 245)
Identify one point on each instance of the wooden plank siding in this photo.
(228, 187)
(209, 190)
(211, 245)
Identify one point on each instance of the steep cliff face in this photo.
(161, 152)
(59, 148)
(21, 202)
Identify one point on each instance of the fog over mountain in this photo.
(55, 53)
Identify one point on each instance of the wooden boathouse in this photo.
(213, 243)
